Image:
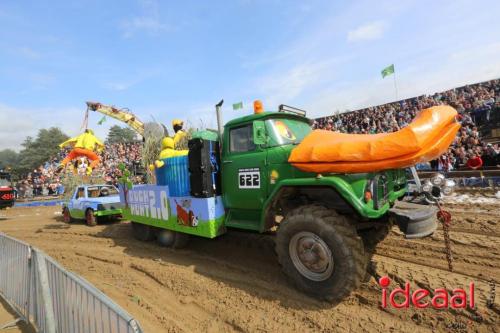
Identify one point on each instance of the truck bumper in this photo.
(414, 220)
(6, 204)
(108, 212)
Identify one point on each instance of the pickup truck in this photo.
(92, 202)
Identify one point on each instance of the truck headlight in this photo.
(438, 179)
(449, 187)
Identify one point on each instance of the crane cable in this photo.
(85, 123)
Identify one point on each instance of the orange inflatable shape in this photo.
(426, 138)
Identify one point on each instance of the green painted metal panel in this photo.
(208, 229)
(108, 212)
(152, 205)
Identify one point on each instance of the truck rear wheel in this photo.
(174, 239)
(181, 240)
(143, 232)
(321, 252)
(165, 237)
(66, 215)
(90, 218)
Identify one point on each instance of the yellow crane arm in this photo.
(119, 114)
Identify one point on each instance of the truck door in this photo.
(244, 174)
(76, 205)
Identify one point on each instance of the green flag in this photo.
(388, 71)
(103, 119)
(238, 106)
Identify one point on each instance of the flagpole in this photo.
(395, 85)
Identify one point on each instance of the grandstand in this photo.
(479, 109)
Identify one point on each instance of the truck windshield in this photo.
(4, 179)
(4, 182)
(101, 191)
(286, 131)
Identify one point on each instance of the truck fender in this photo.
(333, 193)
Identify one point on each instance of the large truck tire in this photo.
(321, 252)
(181, 240)
(174, 239)
(165, 237)
(143, 232)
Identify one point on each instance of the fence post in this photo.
(46, 294)
(30, 271)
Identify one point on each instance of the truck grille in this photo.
(110, 206)
(380, 190)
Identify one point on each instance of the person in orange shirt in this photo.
(85, 144)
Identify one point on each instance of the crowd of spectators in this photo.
(476, 105)
(45, 180)
(41, 181)
(113, 155)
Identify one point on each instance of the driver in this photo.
(104, 192)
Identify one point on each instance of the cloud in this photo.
(149, 22)
(118, 86)
(287, 86)
(369, 31)
(42, 81)
(467, 65)
(27, 52)
(17, 123)
(11, 127)
(122, 82)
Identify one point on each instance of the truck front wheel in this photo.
(90, 218)
(321, 252)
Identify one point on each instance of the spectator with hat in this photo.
(179, 132)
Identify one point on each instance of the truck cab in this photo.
(326, 225)
(259, 183)
(7, 196)
(255, 151)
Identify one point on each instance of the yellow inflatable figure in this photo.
(179, 132)
(83, 145)
(167, 150)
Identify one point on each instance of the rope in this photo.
(85, 122)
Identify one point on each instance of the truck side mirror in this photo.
(259, 132)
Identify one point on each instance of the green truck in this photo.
(325, 225)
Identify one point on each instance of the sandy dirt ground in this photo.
(234, 283)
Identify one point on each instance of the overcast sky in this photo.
(176, 59)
